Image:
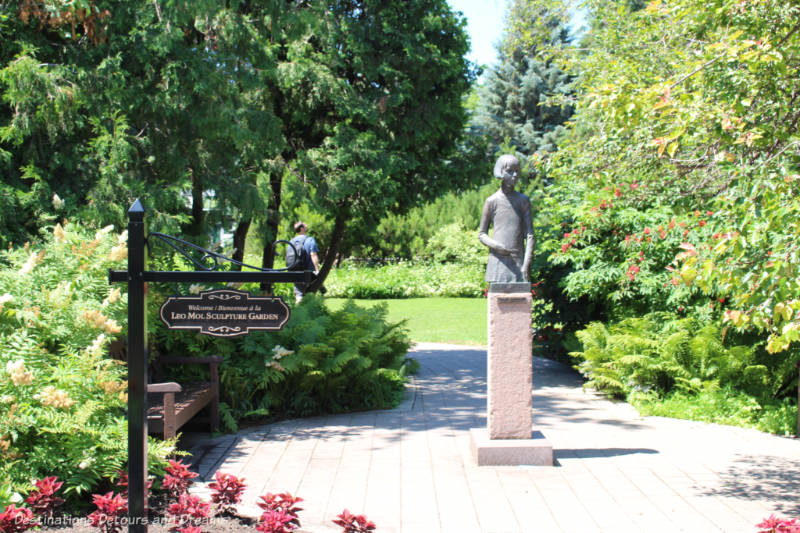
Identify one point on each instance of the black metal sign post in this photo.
(267, 313)
(137, 371)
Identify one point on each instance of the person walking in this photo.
(308, 256)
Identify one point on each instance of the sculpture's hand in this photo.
(526, 270)
(502, 250)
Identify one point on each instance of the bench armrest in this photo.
(164, 387)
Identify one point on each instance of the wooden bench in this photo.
(171, 405)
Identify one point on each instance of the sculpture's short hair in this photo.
(299, 225)
(503, 162)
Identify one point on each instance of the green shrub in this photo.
(321, 362)
(62, 398)
(455, 243)
(406, 280)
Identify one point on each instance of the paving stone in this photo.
(411, 470)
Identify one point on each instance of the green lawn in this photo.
(450, 320)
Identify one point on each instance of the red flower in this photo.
(632, 271)
(709, 213)
(685, 233)
(663, 234)
(647, 231)
(697, 213)
(702, 223)
(617, 192)
(565, 247)
(671, 224)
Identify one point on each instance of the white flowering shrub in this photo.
(62, 397)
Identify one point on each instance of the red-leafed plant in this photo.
(111, 508)
(16, 519)
(178, 478)
(227, 491)
(774, 524)
(283, 503)
(43, 500)
(188, 512)
(276, 522)
(351, 523)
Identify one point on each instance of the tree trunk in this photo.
(332, 252)
(198, 215)
(271, 224)
(239, 240)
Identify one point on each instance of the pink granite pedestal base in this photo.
(509, 438)
(535, 451)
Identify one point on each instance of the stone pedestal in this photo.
(509, 438)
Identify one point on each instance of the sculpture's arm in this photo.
(530, 242)
(483, 232)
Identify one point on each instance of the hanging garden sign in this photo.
(224, 313)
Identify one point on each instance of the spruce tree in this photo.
(521, 101)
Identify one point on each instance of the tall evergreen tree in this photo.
(522, 102)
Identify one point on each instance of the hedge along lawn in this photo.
(448, 320)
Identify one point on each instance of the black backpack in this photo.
(301, 261)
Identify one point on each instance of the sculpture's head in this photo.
(507, 169)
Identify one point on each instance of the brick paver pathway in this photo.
(410, 469)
